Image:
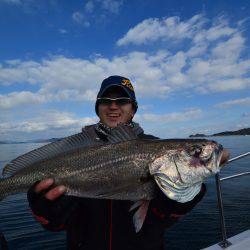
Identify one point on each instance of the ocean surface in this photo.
(197, 230)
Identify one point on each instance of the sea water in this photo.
(199, 229)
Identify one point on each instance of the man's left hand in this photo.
(224, 157)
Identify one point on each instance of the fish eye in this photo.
(195, 150)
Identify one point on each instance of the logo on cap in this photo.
(127, 83)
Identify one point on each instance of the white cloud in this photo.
(197, 50)
(246, 115)
(112, 6)
(17, 99)
(18, 71)
(20, 98)
(242, 101)
(228, 85)
(13, 62)
(153, 29)
(97, 12)
(212, 60)
(45, 121)
(80, 18)
(145, 107)
(77, 16)
(73, 94)
(59, 77)
(189, 114)
(154, 75)
(11, 1)
(220, 30)
(63, 31)
(89, 6)
(203, 66)
(103, 7)
(230, 49)
(63, 78)
(172, 28)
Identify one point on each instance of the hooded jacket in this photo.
(96, 224)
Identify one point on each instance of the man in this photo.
(94, 224)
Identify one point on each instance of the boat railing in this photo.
(225, 243)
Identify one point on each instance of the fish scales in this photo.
(119, 171)
(75, 164)
(110, 170)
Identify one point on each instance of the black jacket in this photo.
(93, 224)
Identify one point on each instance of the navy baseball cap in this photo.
(117, 81)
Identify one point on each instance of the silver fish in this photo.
(126, 168)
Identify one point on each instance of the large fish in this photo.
(126, 168)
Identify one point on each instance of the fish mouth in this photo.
(213, 163)
(219, 153)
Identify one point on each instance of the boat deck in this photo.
(239, 242)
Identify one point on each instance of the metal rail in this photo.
(225, 243)
(234, 176)
(238, 157)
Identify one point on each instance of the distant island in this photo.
(244, 131)
(199, 135)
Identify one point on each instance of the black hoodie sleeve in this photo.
(53, 215)
(170, 211)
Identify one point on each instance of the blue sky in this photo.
(189, 62)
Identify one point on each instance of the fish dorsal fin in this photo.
(64, 145)
(121, 133)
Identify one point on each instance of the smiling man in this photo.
(116, 102)
(99, 224)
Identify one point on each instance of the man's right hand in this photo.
(53, 193)
(49, 205)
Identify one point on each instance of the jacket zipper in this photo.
(110, 224)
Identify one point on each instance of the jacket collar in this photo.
(105, 130)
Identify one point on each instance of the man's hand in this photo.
(224, 157)
(48, 204)
(52, 194)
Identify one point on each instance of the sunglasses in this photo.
(120, 101)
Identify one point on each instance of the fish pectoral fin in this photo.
(140, 214)
(135, 205)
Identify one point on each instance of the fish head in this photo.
(201, 156)
(180, 171)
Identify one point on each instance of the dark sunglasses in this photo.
(119, 101)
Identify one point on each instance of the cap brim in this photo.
(114, 85)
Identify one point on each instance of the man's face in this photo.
(114, 114)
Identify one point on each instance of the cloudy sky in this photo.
(189, 62)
